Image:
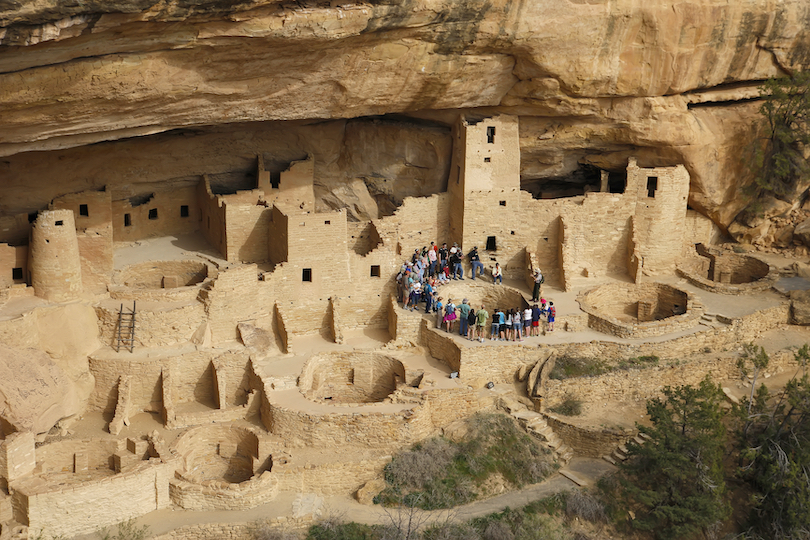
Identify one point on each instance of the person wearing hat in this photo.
(538, 280)
(476, 262)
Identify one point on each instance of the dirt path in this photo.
(289, 504)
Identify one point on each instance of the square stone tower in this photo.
(484, 183)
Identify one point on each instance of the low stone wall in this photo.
(478, 365)
(374, 429)
(333, 478)
(86, 507)
(165, 325)
(642, 384)
(214, 495)
(160, 274)
(587, 441)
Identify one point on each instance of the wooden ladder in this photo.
(126, 328)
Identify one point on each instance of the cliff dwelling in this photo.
(219, 277)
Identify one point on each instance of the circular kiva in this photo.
(728, 273)
(219, 453)
(351, 377)
(639, 310)
(162, 274)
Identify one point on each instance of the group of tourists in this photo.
(420, 277)
(432, 266)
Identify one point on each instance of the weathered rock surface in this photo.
(800, 304)
(593, 81)
(35, 393)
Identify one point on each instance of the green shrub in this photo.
(569, 367)
(334, 529)
(639, 362)
(570, 406)
(442, 474)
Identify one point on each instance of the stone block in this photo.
(171, 282)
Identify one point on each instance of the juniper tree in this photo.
(779, 161)
(773, 437)
(673, 483)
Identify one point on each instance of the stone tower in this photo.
(660, 218)
(56, 273)
(484, 183)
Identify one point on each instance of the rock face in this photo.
(35, 393)
(593, 82)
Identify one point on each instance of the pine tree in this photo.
(673, 483)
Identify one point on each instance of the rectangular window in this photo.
(652, 185)
(306, 275)
(502, 203)
(184, 210)
(375, 270)
(127, 220)
(491, 243)
(17, 274)
(153, 213)
(490, 134)
(487, 160)
(83, 210)
(275, 179)
(59, 223)
(327, 222)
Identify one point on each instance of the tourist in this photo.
(428, 295)
(496, 274)
(538, 280)
(517, 325)
(475, 260)
(455, 265)
(432, 260)
(527, 322)
(501, 324)
(536, 315)
(552, 314)
(481, 321)
(508, 323)
(443, 253)
(449, 315)
(471, 324)
(495, 326)
(464, 313)
(439, 312)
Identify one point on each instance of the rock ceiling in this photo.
(593, 81)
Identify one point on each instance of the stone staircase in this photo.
(620, 453)
(711, 320)
(535, 425)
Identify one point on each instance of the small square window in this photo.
(83, 210)
(153, 213)
(306, 275)
(327, 222)
(375, 270)
(502, 203)
(16, 274)
(59, 223)
(127, 220)
(487, 160)
(184, 210)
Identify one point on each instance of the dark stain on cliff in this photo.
(453, 29)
